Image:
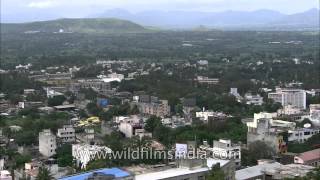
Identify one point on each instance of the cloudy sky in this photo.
(83, 8)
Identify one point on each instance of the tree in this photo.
(56, 100)
(152, 123)
(216, 173)
(44, 174)
(257, 150)
(64, 155)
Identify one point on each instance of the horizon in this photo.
(35, 10)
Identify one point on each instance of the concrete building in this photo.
(47, 143)
(101, 174)
(95, 84)
(83, 153)
(207, 80)
(66, 134)
(311, 158)
(151, 105)
(268, 169)
(289, 110)
(251, 99)
(205, 115)
(264, 128)
(315, 114)
(223, 149)
(294, 97)
(131, 126)
(300, 135)
(5, 175)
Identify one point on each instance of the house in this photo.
(311, 158)
(300, 135)
(66, 134)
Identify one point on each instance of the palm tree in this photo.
(44, 174)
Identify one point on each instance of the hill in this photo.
(85, 25)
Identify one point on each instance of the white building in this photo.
(300, 135)
(207, 80)
(205, 115)
(315, 114)
(83, 153)
(47, 143)
(66, 134)
(289, 110)
(273, 122)
(5, 175)
(224, 149)
(253, 99)
(294, 97)
(112, 77)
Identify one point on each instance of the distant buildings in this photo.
(253, 99)
(47, 143)
(66, 134)
(205, 115)
(95, 84)
(223, 149)
(264, 128)
(311, 158)
(133, 126)
(301, 135)
(294, 97)
(151, 105)
(5, 175)
(111, 77)
(207, 80)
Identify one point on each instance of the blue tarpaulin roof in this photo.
(108, 171)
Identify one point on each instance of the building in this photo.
(289, 110)
(5, 175)
(206, 115)
(207, 80)
(111, 77)
(47, 143)
(223, 149)
(101, 174)
(131, 126)
(251, 99)
(294, 97)
(66, 134)
(268, 169)
(264, 128)
(300, 135)
(315, 114)
(95, 84)
(83, 153)
(311, 158)
(151, 105)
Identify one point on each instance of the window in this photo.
(201, 178)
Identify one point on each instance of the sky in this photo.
(83, 8)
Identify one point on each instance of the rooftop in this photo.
(118, 173)
(310, 155)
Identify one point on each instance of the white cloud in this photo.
(43, 4)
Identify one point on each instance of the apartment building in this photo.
(66, 134)
(294, 97)
(47, 143)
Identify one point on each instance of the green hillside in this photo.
(88, 25)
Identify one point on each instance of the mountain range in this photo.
(82, 25)
(226, 19)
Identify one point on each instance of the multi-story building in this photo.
(206, 115)
(300, 135)
(224, 149)
(47, 143)
(253, 99)
(95, 84)
(264, 128)
(315, 114)
(294, 97)
(153, 106)
(66, 134)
